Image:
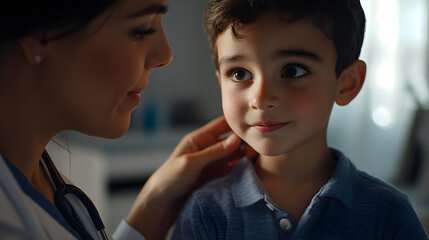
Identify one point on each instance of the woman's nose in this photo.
(264, 96)
(159, 54)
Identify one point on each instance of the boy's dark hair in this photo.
(343, 21)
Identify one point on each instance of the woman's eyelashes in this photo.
(139, 34)
(294, 70)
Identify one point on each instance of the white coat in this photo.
(22, 218)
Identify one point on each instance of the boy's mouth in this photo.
(269, 126)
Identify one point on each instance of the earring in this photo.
(37, 58)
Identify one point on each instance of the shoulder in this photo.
(361, 186)
(22, 217)
(380, 199)
(365, 193)
(384, 199)
(377, 189)
(376, 204)
(371, 184)
(390, 207)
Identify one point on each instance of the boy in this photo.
(281, 65)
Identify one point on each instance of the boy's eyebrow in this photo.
(156, 8)
(228, 59)
(298, 53)
(281, 53)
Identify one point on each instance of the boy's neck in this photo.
(292, 180)
(299, 166)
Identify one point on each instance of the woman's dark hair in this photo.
(20, 18)
(343, 21)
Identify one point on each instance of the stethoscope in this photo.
(66, 196)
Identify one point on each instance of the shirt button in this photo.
(285, 224)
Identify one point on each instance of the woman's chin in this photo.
(116, 133)
(110, 132)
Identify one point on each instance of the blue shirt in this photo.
(352, 205)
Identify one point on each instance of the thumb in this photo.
(215, 152)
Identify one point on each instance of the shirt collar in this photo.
(247, 189)
(343, 181)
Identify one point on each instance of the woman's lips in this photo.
(269, 126)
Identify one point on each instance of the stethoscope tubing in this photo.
(62, 189)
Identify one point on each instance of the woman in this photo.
(81, 65)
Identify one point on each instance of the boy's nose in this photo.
(263, 96)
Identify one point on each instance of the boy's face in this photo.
(278, 83)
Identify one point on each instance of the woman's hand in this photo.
(198, 158)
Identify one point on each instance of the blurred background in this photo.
(385, 130)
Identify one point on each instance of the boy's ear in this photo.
(218, 77)
(351, 81)
(33, 48)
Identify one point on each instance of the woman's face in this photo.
(91, 80)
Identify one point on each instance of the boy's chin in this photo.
(268, 151)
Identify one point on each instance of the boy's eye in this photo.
(293, 71)
(139, 33)
(239, 75)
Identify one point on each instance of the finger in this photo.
(203, 137)
(215, 152)
(208, 134)
(216, 127)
